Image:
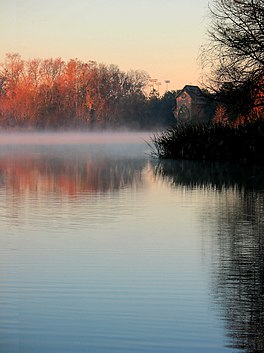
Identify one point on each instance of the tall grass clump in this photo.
(211, 141)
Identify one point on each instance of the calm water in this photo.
(105, 250)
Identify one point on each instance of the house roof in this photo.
(193, 91)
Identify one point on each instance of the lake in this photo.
(104, 249)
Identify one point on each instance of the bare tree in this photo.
(236, 47)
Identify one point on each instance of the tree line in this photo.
(52, 93)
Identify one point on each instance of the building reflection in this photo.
(237, 269)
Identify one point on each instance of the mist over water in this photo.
(72, 138)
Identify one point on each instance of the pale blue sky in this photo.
(162, 37)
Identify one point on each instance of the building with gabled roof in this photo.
(191, 105)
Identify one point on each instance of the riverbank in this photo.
(212, 142)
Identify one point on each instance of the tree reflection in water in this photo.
(70, 176)
(238, 260)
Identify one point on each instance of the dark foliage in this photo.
(211, 141)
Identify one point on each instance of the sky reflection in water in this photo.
(104, 250)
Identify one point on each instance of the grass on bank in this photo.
(211, 142)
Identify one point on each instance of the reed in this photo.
(211, 141)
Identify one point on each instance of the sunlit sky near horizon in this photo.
(161, 37)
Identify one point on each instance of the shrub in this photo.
(211, 141)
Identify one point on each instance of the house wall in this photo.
(197, 107)
(183, 100)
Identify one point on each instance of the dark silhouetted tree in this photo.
(236, 51)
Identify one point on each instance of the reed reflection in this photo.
(217, 175)
(237, 269)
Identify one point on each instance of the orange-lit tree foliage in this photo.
(52, 93)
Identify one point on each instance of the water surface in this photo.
(105, 250)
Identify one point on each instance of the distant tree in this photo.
(51, 93)
(12, 70)
(220, 116)
(161, 108)
(236, 50)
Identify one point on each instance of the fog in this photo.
(73, 138)
(75, 144)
